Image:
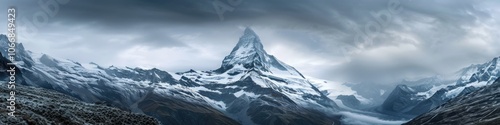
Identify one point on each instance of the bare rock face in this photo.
(479, 107)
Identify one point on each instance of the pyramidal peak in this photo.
(249, 41)
(249, 31)
(249, 52)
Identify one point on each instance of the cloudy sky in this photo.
(330, 39)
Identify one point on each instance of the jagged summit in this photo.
(250, 53)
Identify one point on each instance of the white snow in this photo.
(454, 92)
(201, 88)
(175, 76)
(430, 92)
(209, 78)
(242, 92)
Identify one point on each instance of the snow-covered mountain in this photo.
(41, 106)
(250, 79)
(249, 53)
(250, 87)
(418, 99)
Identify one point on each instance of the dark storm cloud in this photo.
(120, 14)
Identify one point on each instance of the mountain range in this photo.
(250, 87)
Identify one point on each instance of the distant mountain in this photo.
(479, 107)
(349, 101)
(250, 87)
(418, 99)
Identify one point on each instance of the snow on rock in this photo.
(250, 53)
(478, 107)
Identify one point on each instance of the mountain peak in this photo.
(250, 53)
(249, 41)
(249, 31)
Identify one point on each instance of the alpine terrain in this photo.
(250, 87)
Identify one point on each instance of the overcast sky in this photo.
(318, 37)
